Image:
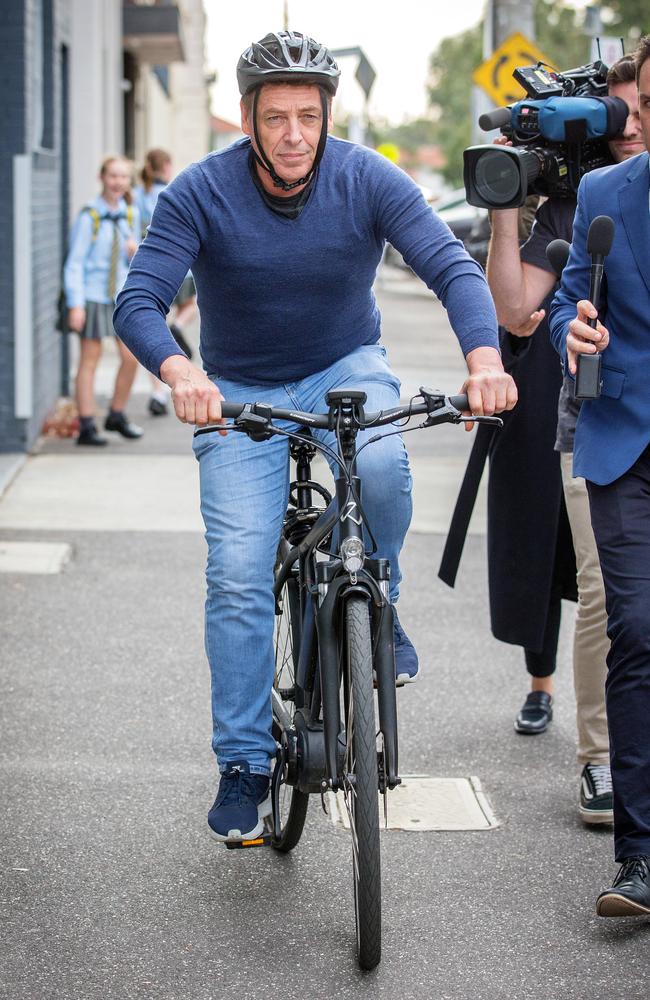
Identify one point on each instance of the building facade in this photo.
(82, 79)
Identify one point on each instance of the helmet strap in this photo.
(263, 159)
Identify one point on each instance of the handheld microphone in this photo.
(599, 243)
(557, 254)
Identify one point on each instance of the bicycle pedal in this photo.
(238, 845)
(264, 840)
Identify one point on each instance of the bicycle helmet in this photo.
(287, 57)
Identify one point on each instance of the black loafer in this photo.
(630, 893)
(535, 714)
(90, 436)
(157, 408)
(120, 423)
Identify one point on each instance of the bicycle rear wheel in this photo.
(286, 640)
(362, 780)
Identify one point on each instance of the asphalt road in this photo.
(112, 889)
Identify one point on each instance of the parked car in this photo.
(468, 224)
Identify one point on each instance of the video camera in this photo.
(559, 132)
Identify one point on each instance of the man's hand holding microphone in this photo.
(587, 337)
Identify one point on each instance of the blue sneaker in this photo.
(242, 802)
(407, 667)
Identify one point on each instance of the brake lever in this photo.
(494, 421)
(443, 415)
(255, 421)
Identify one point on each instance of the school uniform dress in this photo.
(97, 263)
(146, 202)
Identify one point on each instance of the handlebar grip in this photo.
(460, 402)
(231, 410)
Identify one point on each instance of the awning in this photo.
(153, 34)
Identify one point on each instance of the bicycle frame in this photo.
(324, 586)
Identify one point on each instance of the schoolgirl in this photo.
(104, 238)
(156, 175)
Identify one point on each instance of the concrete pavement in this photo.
(110, 886)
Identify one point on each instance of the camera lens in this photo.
(497, 177)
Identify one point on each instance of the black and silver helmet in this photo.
(284, 57)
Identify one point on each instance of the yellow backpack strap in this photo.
(96, 219)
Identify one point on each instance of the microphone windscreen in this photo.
(495, 119)
(557, 254)
(600, 236)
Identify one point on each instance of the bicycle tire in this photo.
(286, 641)
(362, 800)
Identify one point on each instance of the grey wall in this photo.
(31, 115)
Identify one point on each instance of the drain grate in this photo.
(426, 804)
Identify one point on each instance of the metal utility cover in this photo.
(33, 557)
(425, 804)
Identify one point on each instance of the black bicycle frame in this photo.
(324, 587)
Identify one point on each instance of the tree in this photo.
(558, 34)
(450, 87)
(629, 18)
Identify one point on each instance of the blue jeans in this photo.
(244, 492)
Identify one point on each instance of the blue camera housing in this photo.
(549, 118)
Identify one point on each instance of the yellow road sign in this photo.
(495, 74)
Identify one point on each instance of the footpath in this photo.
(109, 885)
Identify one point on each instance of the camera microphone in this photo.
(495, 119)
(557, 254)
(599, 242)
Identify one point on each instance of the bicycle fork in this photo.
(372, 582)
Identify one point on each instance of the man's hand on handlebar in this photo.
(196, 398)
(489, 388)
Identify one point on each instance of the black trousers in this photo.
(620, 514)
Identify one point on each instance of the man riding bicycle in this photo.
(283, 232)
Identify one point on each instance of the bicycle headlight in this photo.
(352, 554)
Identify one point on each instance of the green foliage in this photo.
(559, 35)
(629, 18)
(408, 136)
(450, 87)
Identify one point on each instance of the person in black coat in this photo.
(531, 561)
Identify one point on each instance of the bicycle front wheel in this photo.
(361, 782)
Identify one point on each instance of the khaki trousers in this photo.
(590, 644)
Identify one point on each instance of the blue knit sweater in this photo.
(283, 298)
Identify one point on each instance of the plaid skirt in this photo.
(99, 321)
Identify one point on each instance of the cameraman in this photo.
(520, 281)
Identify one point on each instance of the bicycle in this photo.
(334, 638)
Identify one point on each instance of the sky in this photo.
(397, 36)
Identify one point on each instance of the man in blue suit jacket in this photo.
(612, 452)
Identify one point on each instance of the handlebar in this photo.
(438, 407)
(234, 410)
